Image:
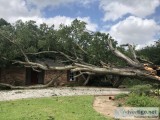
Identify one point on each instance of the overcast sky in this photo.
(128, 21)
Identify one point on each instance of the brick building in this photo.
(16, 75)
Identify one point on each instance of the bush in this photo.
(130, 82)
(122, 95)
(141, 89)
(142, 101)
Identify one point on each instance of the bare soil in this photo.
(103, 105)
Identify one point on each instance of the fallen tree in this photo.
(136, 67)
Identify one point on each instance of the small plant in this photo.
(155, 92)
(119, 105)
(156, 89)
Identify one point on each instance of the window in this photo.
(71, 76)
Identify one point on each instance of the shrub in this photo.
(122, 95)
(130, 82)
(141, 89)
(142, 101)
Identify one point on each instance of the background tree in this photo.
(151, 53)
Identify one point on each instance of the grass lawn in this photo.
(54, 108)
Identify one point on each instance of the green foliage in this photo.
(3, 22)
(137, 100)
(140, 96)
(142, 101)
(56, 108)
(68, 39)
(155, 92)
(119, 105)
(130, 82)
(120, 96)
(141, 89)
(151, 53)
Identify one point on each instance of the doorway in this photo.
(34, 77)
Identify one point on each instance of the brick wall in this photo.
(51, 74)
(14, 76)
(17, 76)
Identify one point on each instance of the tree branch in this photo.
(122, 56)
(132, 51)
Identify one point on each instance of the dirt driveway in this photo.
(103, 105)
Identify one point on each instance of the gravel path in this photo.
(60, 91)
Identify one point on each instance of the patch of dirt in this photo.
(104, 105)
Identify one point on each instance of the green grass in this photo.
(55, 108)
